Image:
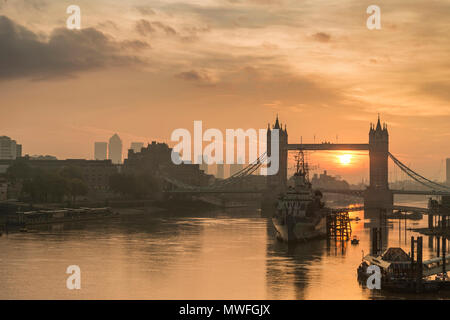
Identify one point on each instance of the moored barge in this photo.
(38, 217)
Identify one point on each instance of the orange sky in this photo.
(145, 68)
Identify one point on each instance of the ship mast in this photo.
(301, 165)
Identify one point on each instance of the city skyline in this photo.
(155, 67)
(341, 162)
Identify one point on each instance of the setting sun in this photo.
(345, 159)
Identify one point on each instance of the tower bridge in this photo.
(377, 195)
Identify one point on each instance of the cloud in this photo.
(27, 4)
(109, 25)
(440, 90)
(65, 52)
(145, 27)
(321, 37)
(236, 14)
(135, 45)
(257, 2)
(164, 27)
(145, 10)
(194, 75)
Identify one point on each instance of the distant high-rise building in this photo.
(115, 149)
(100, 150)
(9, 149)
(137, 146)
(220, 171)
(448, 171)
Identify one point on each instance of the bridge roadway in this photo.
(360, 193)
(328, 146)
(355, 193)
(356, 208)
(213, 191)
(422, 192)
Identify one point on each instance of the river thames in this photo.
(225, 254)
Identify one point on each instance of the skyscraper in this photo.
(115, 149)
(100, 150)
(447, 171)
(137, 146)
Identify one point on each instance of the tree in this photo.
(19, 171)
(71, 172)
(77, 187)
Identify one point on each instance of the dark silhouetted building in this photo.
(41, 157)
(156, 160)
(325, 181)
(95, 173)
(3, 189)
(137, 146)
(447, 171)
(9, 149)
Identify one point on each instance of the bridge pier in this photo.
(376, 199)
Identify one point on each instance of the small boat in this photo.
(442, 277)
(355, 240)
(23, 230)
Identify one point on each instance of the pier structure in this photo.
(339, 227)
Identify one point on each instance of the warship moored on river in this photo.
(300, 214)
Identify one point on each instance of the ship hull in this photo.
(299, 231)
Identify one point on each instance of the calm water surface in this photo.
(218, 255)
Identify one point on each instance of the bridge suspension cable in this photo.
(248, 170)
(417, 177)
(233, 179)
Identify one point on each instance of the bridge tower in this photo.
(277, 183)
(378, 193)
